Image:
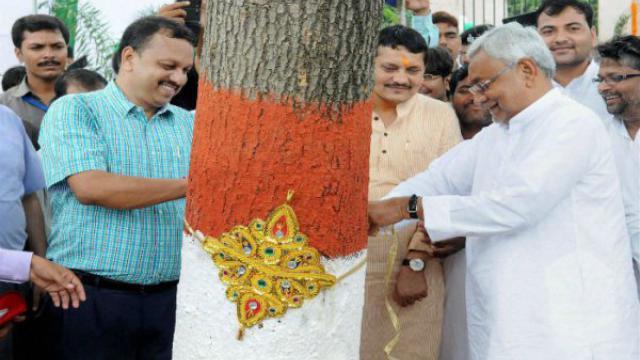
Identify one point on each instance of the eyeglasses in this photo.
(430, 77)
(481, 87)
(614, 79)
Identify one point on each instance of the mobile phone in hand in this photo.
(193, 15)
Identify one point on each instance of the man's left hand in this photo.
(411, 286)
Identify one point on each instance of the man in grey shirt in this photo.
(41, 45)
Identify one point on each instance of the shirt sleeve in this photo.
(425, 26)
(525, 193)
(33, 175)
(451, 173)
(70, 141)
(14, 265)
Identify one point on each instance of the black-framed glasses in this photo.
(614, 79)
(481, 87)
(430, 77)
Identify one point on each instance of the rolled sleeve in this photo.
(70, 141)
(15, 265)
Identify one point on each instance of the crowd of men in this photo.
(507, 157)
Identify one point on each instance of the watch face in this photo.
(416, 264)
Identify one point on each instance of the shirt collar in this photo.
(537, 109)
(404, 109)
(22, 89)
(620, 129)
(124, 105)
(583, 80)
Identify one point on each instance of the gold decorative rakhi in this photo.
(269, 266)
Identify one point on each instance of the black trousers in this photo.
(115, 324)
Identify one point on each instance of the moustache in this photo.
(398, 86)
(49, 63)
(170, 83)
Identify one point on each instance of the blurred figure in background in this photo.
(13, 76)
(439, 65)
(79, 81)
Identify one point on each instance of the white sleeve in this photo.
(451, 173)
(527, 190)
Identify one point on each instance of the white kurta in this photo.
(627, 154)
(583, 90)
(549, 271)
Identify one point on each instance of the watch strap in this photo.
(412, 206)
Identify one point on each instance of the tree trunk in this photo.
(283, 105)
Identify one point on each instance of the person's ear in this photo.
(19, 55)
(127, 57)
(529, 70)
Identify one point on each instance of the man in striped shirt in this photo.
(115, 165)
(409, 130)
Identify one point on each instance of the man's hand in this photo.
(61, 284)
(411, 286)
(4, 330)
(174, 11)
(440, 249)
(445, 248)
(386, 212)
(419, 7)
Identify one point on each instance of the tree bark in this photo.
(284, 106)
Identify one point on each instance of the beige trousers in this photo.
(420, 323)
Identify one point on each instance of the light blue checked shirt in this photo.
(103, 130)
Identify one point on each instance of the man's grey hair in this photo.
(511, 43)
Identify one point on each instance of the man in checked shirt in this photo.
(115, 163)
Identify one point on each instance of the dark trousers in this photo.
(115, 324)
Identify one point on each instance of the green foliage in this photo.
(93, 39)
(67, 11)
(390, 16)
(619, 28)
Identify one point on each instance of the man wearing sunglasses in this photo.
(549, 271)
(619, 84)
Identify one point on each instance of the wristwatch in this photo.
(412, 206)
(416, 265)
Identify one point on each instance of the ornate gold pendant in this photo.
(269, 266)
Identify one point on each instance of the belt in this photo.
(105, 283)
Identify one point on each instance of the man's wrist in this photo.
(417, 254)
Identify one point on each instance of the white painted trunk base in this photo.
(326, 327)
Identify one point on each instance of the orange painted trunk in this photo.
(248, 153)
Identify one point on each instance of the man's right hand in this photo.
(174, 11)
(419, 7)
(62, 285)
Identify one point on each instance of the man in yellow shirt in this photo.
(409, 130)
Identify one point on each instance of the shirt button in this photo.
(385, 134)
(376, 118)
(384, 151)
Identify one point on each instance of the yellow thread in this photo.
(395, 321)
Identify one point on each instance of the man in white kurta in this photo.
(549, 271)
(619, 85)
(568, 30)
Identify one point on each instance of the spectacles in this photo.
(614, 79)
(481, 87)
(430, 77)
